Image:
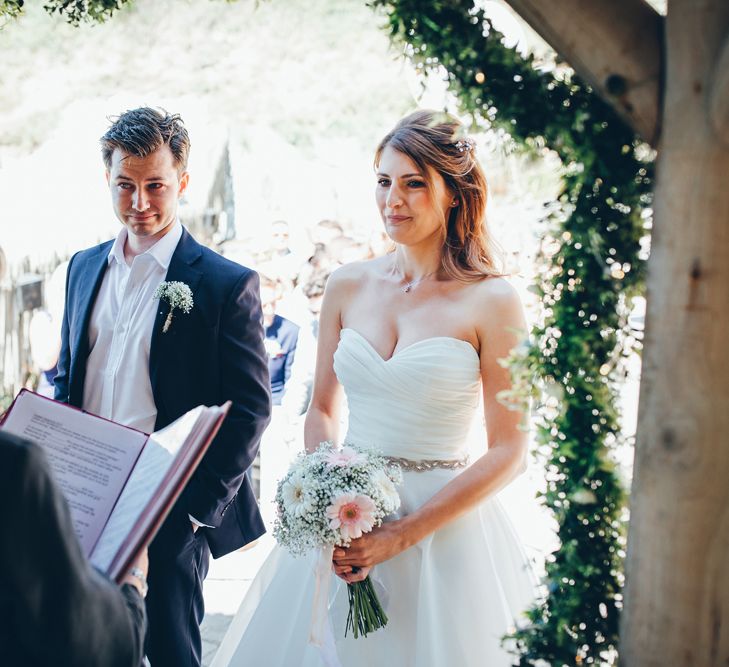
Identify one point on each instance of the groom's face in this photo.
(145, 190)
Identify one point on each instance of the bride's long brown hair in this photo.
(437, 140)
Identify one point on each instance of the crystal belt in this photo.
(410, 465)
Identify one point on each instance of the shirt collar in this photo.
(161, 251)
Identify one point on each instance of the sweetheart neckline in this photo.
(406, 348)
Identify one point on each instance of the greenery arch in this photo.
(590, 261)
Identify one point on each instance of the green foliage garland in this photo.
(10, 9)
(589, 263)
(73, 11)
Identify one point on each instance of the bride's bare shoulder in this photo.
(496, 291)
(345, 283)
(354, 275)
(498, 307)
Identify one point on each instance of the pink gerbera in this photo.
(346, 456)
(352, 514)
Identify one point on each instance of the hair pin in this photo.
(465, 145)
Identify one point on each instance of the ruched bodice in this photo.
(419, 404)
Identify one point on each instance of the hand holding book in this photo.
(120, 483)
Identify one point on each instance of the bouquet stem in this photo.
(365, 611)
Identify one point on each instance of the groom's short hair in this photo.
(142, 131)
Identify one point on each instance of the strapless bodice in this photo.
(419, 404)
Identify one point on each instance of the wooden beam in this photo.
(615, 45)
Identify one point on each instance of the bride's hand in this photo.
(345, 573)
(375, 547)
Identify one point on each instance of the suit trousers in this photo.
(178, 563)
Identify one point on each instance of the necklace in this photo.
(409, 286)
(412, 284)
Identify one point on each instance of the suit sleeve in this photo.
(244, 381)
(81, 617)
(60, 382)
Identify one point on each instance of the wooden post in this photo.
(677, 594)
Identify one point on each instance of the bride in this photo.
(413, 338)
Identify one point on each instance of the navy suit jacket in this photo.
(211, 355)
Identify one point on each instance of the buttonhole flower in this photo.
(178, 295)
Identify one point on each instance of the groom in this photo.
(120, 360)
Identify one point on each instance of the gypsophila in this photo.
(331, 497)
(178, 295)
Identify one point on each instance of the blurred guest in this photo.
(281, 336)
(314, 293)
(241, 250)
(281, 339)
(280, 236)
(345, 250)
(283, 264)
(301, 380)
(326, 231)
(320, 261)
(326, 235)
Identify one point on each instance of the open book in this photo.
(120, 483)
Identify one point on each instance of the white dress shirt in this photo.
(117, 384)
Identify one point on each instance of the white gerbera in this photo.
(386, 487)
(296, 500)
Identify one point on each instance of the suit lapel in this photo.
(91, 274)
(181, 269)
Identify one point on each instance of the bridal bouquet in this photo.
(329, 498)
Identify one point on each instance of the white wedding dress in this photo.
(451, 597)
